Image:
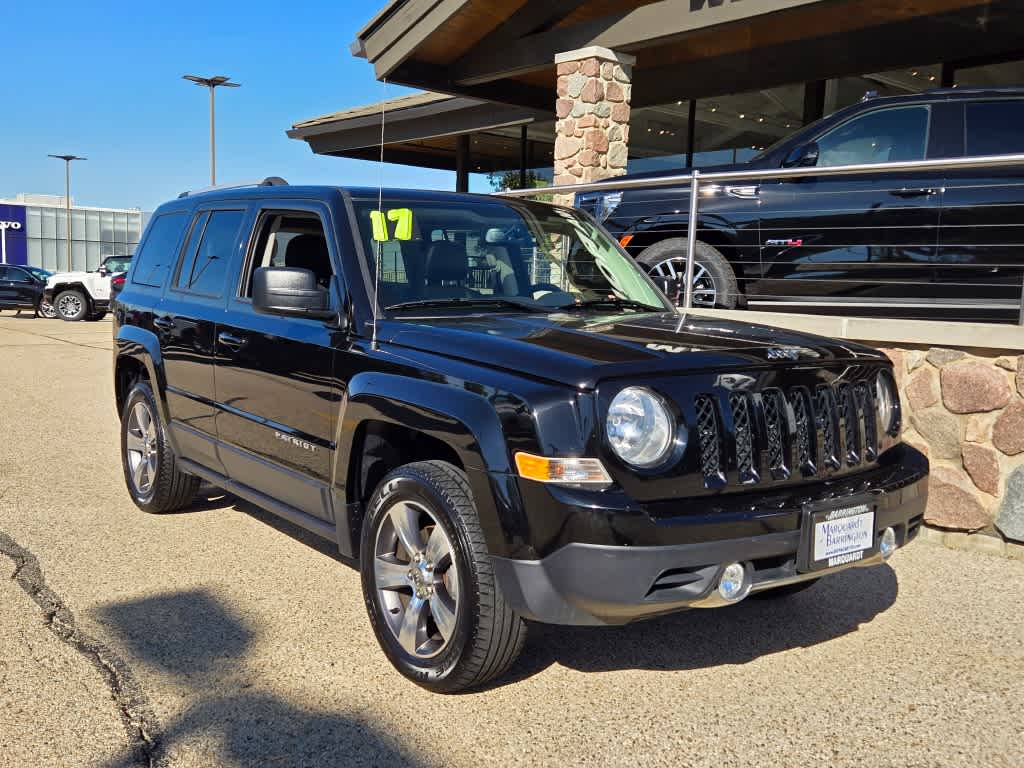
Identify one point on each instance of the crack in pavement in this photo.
(140, 722)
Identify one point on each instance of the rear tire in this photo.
(438, 612)
(714, 283)
(71, 305)
(155, 482)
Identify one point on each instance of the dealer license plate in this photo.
(839, 535)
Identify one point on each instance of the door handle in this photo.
(230, 341)
(163, 323)
(922, 192)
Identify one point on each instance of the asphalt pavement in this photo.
(220, 636)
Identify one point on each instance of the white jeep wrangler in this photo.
(84, 295)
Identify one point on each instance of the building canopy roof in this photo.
(495, 58)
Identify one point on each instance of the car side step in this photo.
(291, 514)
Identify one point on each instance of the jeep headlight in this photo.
(888, 400)
(600, 204)
(640, 427)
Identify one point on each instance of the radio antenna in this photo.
(380, 210)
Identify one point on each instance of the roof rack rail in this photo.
(269, 181)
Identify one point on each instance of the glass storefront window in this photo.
(107, 226)
(78, 256)
(657, 137)
(49, 222)
(736, 127)
(120, 227)
(1005, 73)
(77, 225)
(844, 91)
(92, 225)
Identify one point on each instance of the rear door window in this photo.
(211, 245)
(159, 250)
(994, 127)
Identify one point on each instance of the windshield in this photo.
(39, 272)
(519, 255)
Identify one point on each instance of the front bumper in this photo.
(589, 584)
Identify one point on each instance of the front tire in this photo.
(155, 482)
(71, 305)
(428, 585)
(714, 282)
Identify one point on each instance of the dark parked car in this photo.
(491, 409)
(21, 287)
(937, 244)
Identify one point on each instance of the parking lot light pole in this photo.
(67, 195)
(212, 83)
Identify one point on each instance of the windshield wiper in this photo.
(467, 302)
(614, 301)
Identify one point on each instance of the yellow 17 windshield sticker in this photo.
(403, 224)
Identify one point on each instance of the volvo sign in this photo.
(12, 235)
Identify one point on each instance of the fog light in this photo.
(888, 544)
(733, 584)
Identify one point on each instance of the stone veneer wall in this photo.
(592, 111)
(965, 411)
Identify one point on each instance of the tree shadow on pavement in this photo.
(702, 638)
(195, 638)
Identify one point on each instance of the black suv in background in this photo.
(21, 287)
(491, 409)
(938, 244)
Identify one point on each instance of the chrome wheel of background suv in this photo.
(704, 292)
(417, 579)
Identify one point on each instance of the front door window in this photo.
(882, 136)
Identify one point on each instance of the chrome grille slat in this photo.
(866, 405)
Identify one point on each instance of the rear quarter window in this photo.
(159, 251)
(995, 127)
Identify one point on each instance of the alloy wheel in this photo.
(705, 294)
(141, 447)
(69, 305)
(46, 310)
(416, 578)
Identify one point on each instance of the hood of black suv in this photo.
(580, 349)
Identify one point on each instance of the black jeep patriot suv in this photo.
(493, 410)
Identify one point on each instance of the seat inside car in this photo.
(446, 270)
(499, 259)
(310, 252)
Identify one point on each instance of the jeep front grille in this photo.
(815, 433)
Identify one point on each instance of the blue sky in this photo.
(104, 81)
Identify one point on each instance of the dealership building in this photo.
(696, 83)
(34, 231)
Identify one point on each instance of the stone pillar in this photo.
(592, 110)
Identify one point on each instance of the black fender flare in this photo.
(143, 347)
(464, 420)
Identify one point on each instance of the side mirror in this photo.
(289, 291)
(804, 156)
(101, 271)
